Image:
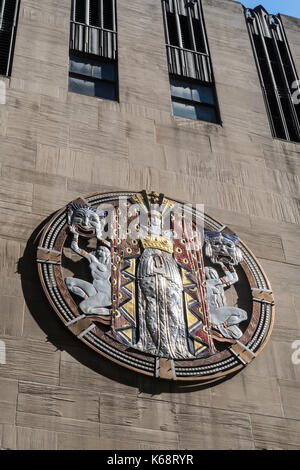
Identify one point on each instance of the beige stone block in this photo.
(275, 433)
(137, 128)
(83, 188)
(58, 401)
(174, 392)
(54, 160)
(34, 177)
(78, 442)
(230, 218)
(238, 148)
(242, 392)
(39, 77)
(180, 138)
(15, 196)
(31, 329)
(12, 315)
(8, 400)
(99, 143)
(30, 360)
(17, 225)
(9, 256)
(201, 164)
(47, 201)
(110, 171)
(74, 114)
(262, 244)
(49, 45)
(3, 120)
(36, 127)
(9, 437)
(132, 438)
(57, 424)
(227, 429)
(141, 177)
(10, 285)
(95, 373)
(35, 439)
(140, 413)
(282, 274)
(291, 249)
(289, 390)
(17, 152)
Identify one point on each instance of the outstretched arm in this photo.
(74, 244)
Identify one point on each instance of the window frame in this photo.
(257, 21)
(92, 78)
(83, 48)
(191, 102)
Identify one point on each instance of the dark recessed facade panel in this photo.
(93, 48)
(277, 72)
(193, 91)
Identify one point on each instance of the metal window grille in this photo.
(94, 28)
(9, 10)
(277, 72)
(188, 54)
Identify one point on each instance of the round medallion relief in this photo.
(156, 285)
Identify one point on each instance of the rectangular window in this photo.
(277, 72)
(193, 91)
(9, 10)
(93, 49)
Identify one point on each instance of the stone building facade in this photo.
(55, 393)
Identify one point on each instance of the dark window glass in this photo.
(185, 33)
(93, 68)
(92, 88)
(80, 11)
(92, 77)
(259, 46)
(193, 100)
(79, 85)
(199, 40)
(190, 91)
(95, 19)
(172, 30)
(81, 66)
(194, 111)
(278, 75)
(108, 14)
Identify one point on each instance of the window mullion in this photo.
(178, 24)
(101, 13)
(191, 26)
(87, 12)
(166, 23)
(114, 15)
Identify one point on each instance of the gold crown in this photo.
(158, 242)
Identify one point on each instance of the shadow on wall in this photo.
(58, 335)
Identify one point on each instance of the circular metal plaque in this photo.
(156, 286)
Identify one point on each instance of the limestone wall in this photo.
(54, 392)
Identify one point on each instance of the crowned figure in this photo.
(162, 323)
